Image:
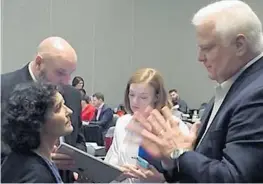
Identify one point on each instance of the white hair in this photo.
(232, 17)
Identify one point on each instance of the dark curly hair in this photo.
(77, 80)
(25, 112)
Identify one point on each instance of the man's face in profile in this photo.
(56, 72)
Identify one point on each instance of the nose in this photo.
(134, 100)
(201, 56)
(69, 111)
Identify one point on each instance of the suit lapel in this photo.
(101, 111)
(242, 79)
(205, 119)
(24, 75)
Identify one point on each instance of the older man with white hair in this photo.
(229, 145)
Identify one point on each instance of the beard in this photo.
(175, 101)
(43, 77)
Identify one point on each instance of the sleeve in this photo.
(85, 115)
(37, 174)
(112, 154)
(183, 127)
(168, 165)
(106, 118)
(242, 155)
(171, 170)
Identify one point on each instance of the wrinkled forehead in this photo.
(207, 33)
(58, 98)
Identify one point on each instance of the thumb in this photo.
(147, 111)
(194, 129)
(54, 148)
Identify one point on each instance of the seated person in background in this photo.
(103, 114)
(36, 117)
(88, 110)
(178, 102)
(78, 82)
(121, 110)
(144, 88)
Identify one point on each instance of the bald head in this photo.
(55, 61)
(56, 47)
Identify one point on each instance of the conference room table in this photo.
(93, 133)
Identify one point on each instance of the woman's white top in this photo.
(123, 151)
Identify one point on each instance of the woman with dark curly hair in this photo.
(78, 82)
(34, 119)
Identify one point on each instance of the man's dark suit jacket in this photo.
(72, 100)
(26, 168)
(232, 148)
(105, 118)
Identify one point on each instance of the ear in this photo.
(38, 61)
(241, 45)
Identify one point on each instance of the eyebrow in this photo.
(143, 93)
(58, 105)
(207, 45)
(62, 70)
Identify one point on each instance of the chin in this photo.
(69, 130)
(211, 76)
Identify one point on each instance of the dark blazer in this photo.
(232, 149)
(105, 118)
(72, 100)
(26, 168)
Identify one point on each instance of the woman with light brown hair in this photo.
(144, 88)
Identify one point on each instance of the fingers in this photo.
(147, 111)
(144, 132)
(194, 129)
(60, 156)
(165, 122)
(160, 120)
(151, 137)
(152, 148)
(150, 171)
(54, 148)
(152, 175)
(167, 113)
(76, 176)
(155, 124)
(134, 171)
(137, 117)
